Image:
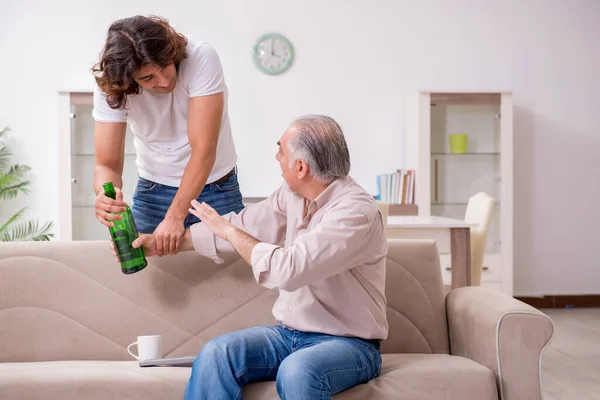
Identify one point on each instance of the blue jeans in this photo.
(304, 365)
(151, 201)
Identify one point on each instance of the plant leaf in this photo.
(11, 220)
(44, 234)
(28, 231)
(18, 170)
(6, 180)
(5, 155)
(11, 183)
(10, 192)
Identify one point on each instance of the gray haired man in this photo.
(320, 241)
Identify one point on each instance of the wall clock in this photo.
(273, 53)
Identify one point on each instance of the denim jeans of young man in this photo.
(306, 366)
(151, 201)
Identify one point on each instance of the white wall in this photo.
(357, 61)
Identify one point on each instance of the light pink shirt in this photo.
(326, 257)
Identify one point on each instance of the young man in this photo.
(173, 94)
(330, 273)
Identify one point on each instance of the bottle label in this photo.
(123, 245)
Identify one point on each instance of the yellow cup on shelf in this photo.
(458, 142)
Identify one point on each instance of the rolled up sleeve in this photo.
(204, 242)
(261, 260)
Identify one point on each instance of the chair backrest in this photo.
(384, 209)
(479, 210)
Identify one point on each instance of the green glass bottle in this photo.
(123, 233)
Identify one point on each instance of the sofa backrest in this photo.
(70, 300)
(414, 290)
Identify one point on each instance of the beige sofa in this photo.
(67, 314)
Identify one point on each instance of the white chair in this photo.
(384, 209)
(479, 211)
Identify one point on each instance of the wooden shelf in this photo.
(465, 98)
(84, 98)
(404, 209)
(467, 154)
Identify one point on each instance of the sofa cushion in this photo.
(90, 380)
(403, 376)
(427, 376)
(414, 377)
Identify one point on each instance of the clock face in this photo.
(273, 54)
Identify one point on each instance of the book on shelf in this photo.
(397, 187)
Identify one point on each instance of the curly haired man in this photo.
(172, 93)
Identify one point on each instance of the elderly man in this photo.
(320, 241)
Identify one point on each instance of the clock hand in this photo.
(272, 48)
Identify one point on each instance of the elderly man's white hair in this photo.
(320, 143)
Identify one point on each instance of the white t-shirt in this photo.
(159, 121)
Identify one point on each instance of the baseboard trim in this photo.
(562, 301)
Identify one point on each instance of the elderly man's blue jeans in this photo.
(305, 365)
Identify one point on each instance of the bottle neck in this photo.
(109, 190)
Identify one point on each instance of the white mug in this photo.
(149, 347)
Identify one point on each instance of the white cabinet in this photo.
(447, 176)
(76, 169)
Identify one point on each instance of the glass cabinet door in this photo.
(457, 173)
(84, 223)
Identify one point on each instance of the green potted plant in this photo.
(12, 182)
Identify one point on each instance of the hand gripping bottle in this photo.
(123, 233)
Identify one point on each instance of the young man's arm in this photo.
(204, 125)
(109, 148)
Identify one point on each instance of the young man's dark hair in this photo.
(132, 43)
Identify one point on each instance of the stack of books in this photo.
(397, 187)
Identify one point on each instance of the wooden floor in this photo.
(571, 364)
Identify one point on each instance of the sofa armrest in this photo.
(503, 334)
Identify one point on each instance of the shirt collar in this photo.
(331, 192)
